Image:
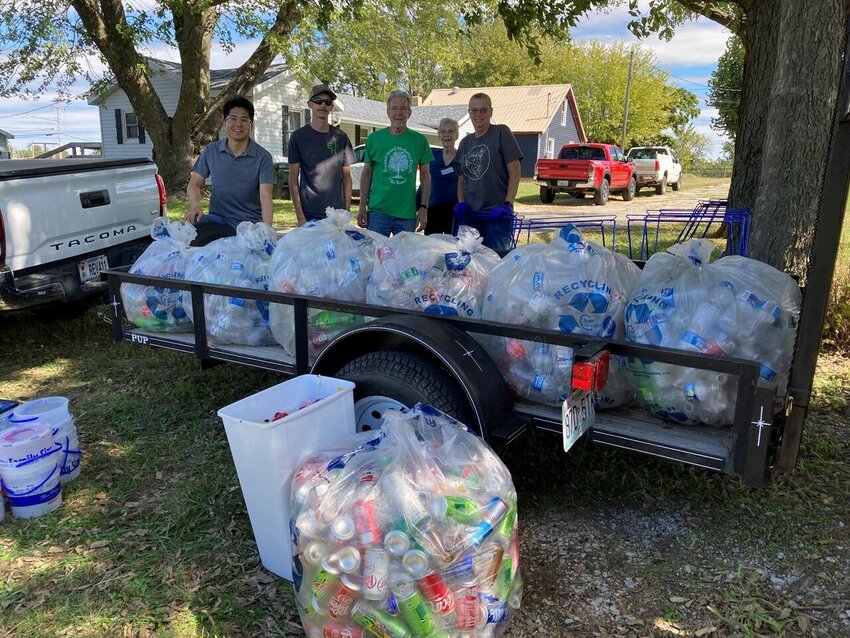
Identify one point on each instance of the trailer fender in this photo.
(459, 359)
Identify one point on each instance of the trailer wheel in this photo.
(395, 379)
(547, 194)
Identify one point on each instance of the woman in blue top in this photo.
(444, 172)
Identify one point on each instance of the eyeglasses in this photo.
(482, 110)
(235, 119)
(319, 100)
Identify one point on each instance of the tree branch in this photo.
(732, 20)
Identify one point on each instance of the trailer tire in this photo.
(393, 379)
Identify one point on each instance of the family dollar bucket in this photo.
(29, 469)
(267, 452)
(54, 412)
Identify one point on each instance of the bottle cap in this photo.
(396, 542)
(415, 561)
(348, 559)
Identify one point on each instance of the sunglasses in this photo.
(319, 100)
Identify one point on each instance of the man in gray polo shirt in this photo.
(319, 160)
(242, 175)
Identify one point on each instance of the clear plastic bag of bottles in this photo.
(438, 274)
(329, 258)
(158, 308)
(734, 307)
(241, 261)
(413, 534)
(570, 285)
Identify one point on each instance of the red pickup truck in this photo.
(600, 169)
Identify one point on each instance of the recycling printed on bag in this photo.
(241, 261)
(733, 307)
(328, 258)
(569, 285)
(413, 533)
(437, 274)
(158, 308)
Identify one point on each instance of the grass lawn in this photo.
(153, 538)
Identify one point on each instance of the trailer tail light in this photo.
(160, 184)
(591, 375)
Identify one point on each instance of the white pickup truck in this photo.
(656, 166)
(62, 222)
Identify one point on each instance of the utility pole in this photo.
(59, 121)
(626, 106)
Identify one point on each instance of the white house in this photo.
(5, 151)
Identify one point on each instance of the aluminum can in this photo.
(415, 563)
(332, 629)
(325, 580)
(461, 570)
(378, 623)
(366, 522)
(348, 559)
(469, 612)
(414, 608)
(436, 591)
(502, 586)
(459, 508)
(313, 552)
(307, 524)
(492, 515)
(343, 598)
(396, 542)
(342, 529)
(376, 567)
(495, 612)
(506, 526)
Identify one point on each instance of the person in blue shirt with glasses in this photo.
(242, 176)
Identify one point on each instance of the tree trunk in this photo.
(793, 68)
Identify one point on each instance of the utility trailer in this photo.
(404, 356)
(401, 357)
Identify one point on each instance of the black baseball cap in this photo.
(321, 88)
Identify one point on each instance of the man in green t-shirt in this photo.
(388, 182)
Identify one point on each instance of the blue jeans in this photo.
(387, 224)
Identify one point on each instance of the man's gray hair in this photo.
(451, 122)
(401, 94)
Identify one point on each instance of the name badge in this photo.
(447, 170)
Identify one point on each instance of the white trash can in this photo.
(267, 453)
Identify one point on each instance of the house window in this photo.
(564, 110)
(290, 120)
(550, 148)
(131, 126)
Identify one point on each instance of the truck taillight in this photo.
(590, 171)
(657, 165)
(160, 184)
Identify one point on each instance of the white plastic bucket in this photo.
(267, 454)
(53, 411)
(29, 471)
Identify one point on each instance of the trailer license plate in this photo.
(577, 415)
(91, 268)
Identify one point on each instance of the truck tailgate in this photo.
(572, 170)
(50, 217)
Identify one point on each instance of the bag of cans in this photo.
(733, 307)
(438, 274)
(569, 285)
(158, 308)
(329, 258)
(413, 534)
(242, 261)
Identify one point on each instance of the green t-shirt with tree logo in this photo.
(395, 160)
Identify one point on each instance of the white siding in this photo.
(168, 89)
(4, 148)
(269, 99)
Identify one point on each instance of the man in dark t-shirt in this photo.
(319, 160)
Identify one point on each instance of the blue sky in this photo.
(690, 57)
